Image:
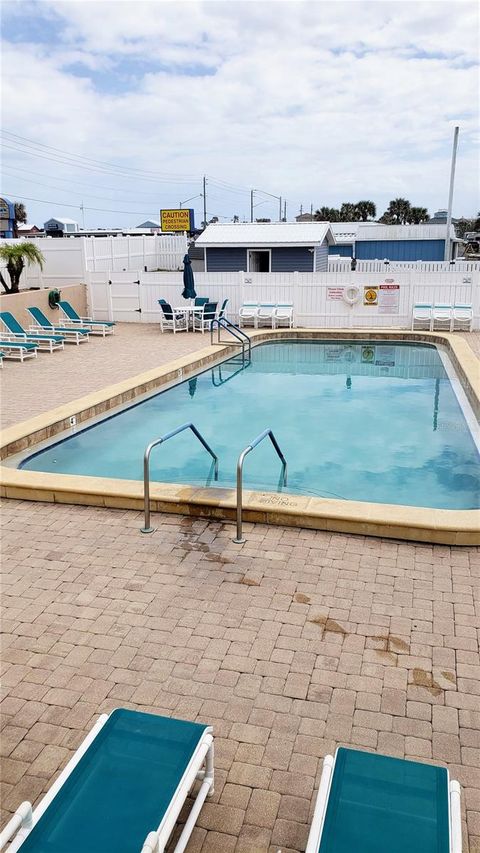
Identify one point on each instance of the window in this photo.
(259, 260)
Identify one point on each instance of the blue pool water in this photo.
(357, 421)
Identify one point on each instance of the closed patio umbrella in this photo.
(188, 282)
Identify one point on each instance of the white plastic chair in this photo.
(462, 318)
(171, 319)
(283, 315)
(422, 315)
(265, 315)
(248, 314)
(442, 317)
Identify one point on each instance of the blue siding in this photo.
(228, 259)
(400, 250)
(345, 251)
(321, 257)
(291, 259)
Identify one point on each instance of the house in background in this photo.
(25, 230)
(375, 241)
(60, 227)
(150, 224)
(266, 246)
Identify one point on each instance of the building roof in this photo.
(424, 231)
(149, 223)
(265, 234)
(62, 221)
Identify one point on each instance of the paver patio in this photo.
(288, 645)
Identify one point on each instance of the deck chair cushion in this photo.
(378, 804)
(121, 787)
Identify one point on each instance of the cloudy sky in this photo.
(124, 106)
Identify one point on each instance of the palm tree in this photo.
(398, 212)
(20, 216)
(417, 215)
(15, 257)
(327, 214)
(366, 210)
(349, 212)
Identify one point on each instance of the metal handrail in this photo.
(222, 381)
(235, 331)
(267, 432)
(146, 467)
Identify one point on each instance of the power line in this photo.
(79, 206)
(70, 192)
(102, 163)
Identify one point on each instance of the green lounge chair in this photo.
(133, 772)
(369, 803)
(96, 327)
(18, 349)
(71, 334)
(44, 342)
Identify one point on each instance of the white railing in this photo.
(317, 297)
(344, 265)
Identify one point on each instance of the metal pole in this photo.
(239, 540)
(204, 201)
(280, 210)
(285, 211)
(146, 492)
(251, 205)
(446, 256)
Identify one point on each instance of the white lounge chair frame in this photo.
(95, 327)
(200, 767)
(266, 313)
(248, 314)
(283, 315)
(422, 315)
(462, 318)
(316, 829)
(442, 317)
(14, 349)
(42, 342)
(71, 336)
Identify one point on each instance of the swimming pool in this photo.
(373, 421)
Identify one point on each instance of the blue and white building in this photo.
(266, 246)
(375, 241)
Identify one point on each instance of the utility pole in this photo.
(285, 210)
(280, 210)
(83, 214)
(311, 210)
(301, 209)
(251, 205)
(450, 195)
(204, 201)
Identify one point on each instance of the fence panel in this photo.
(318, 298)
(121, 254)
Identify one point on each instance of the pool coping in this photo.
(454, 527)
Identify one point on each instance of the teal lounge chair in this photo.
(132, 773)
(18, 349)
(369, 803)
(71, 335)
(96, 327)
(44, 342)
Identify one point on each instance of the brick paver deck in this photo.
(289, 645)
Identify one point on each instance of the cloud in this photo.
(318, 102)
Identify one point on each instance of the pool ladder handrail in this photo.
(235, 331)
(239, 540)
(146, 467)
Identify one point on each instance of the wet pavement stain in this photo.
(426, 680)
(328, 625)
(300, 598)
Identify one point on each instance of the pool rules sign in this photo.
(389, 298)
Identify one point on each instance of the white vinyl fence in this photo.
(118, 254)
(68, 260)
(318, 298)
(344, 265)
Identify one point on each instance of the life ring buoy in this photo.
(351, 294)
